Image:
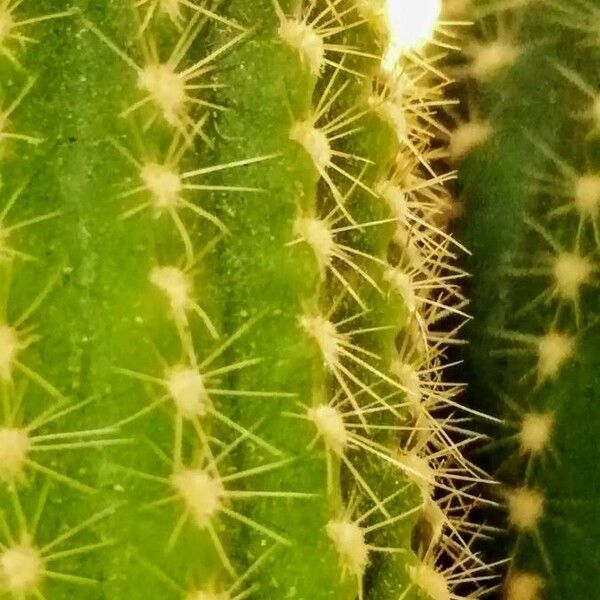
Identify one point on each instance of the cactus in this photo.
(528, 161)
(228, 299)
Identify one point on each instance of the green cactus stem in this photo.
(226, 292)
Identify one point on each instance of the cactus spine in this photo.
(226, 293)
(529, 175)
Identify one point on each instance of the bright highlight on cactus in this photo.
(410, 25)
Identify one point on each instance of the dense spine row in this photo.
(401, 418)
(529, 160)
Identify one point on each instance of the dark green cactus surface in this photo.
(529, 175)
(228, 296)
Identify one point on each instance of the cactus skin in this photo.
(165, 341)
(540, 117)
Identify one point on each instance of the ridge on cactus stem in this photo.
(231, 305)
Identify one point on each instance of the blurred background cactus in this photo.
(227, 301)
(527, 150)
